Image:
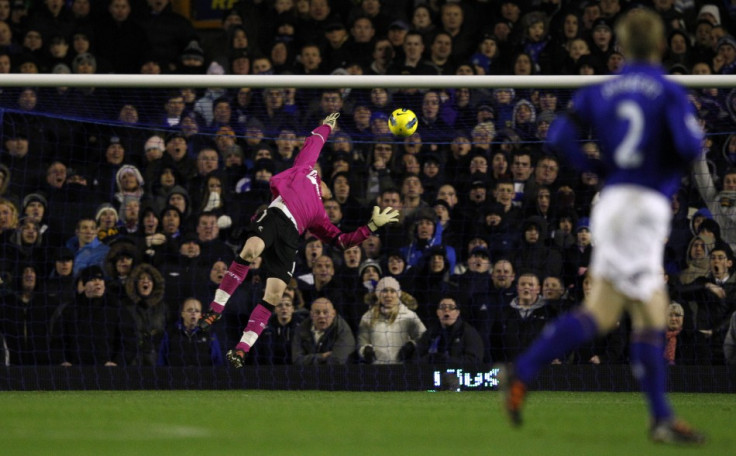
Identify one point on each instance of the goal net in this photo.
(124, 199)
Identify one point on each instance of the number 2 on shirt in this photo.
(627, 154)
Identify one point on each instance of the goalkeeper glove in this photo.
(382, 217)
(331, 120)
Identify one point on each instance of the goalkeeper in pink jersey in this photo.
(274, 236)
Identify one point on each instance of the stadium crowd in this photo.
(121, 209)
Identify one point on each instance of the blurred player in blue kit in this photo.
(648, 137)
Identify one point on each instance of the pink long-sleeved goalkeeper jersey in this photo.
(299, 187)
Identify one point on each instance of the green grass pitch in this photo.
(268, 423)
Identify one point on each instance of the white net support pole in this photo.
(322, 81)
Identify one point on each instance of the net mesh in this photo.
(112, 183)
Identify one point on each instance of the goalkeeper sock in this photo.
(234, 276)
(557, 338)
(650, 369)
(256, 324)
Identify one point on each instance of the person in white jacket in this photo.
(388, 331)
(722, 204)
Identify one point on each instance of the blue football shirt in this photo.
(646, 127)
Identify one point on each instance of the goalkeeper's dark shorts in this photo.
(282, 241)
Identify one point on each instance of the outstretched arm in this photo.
(309, 154)
(703, 180)
(329, 233)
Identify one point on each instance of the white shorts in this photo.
(630, 225)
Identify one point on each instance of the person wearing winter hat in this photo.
(34, 206)
(110, 342)
(710, 13)
(726, 53)
(85, 63)
(388, 331)
(106, 216)
(372, 270)
(129, 183)
(154, 148)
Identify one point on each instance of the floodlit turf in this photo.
(268, 423)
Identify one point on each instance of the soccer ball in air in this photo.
(403, 122)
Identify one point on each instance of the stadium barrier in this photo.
(602, 378)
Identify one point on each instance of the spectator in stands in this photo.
(369, 273)
(120, 260)
(729, 345)
(29, 244)
(330, 100)
(177, 156)
(286, 149)
(5, 10)
(129, 183)
(93, 329)
(337, 218)
(24, 316)
(697, 258)
(208, 233)
(310, 60)
(191, 60)
(577, 257)
(144, 299)
(276, 115)
(181, 268)
(276, 339)
(413, 62)
(59, 284)
(433, 128)
(682, 344)
(381, 168)
(313, 248)
(378, 12)
(20, 163)
(173, 110)
(207, 162)
(167, 32)
(184, 344)
(448, 194)
(522, 320)
(351, 206)
(441, 53)
(382, 55)
(557, 296)
(388, 330)
(426, 233)
(449, 339)
(89, 250)
(105, 177)
(360, 44)
(533, 254)
(325, 284)
(411, 196)
(324, 338)
(8, 224)
(703, 47)
(120, 40)
(718, 202)
(422, 21)
(130, 215)
(452, 18)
